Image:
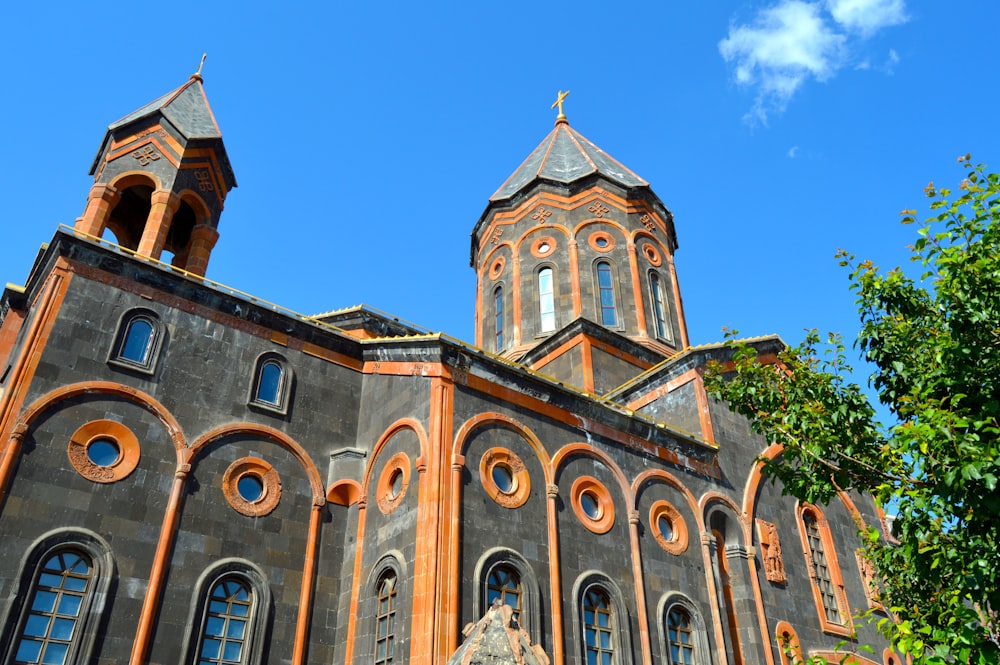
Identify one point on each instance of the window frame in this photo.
(612, 289)
(621, 621)
(390, 562)
(541, 298)
(662, 321)
(499, 320)
(390, 615)
(258, 619)
(846, 627)
(284, 388)
(91, 615)
(116, 355)
(529, 617)
(699, 632)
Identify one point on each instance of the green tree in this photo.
(934, 342)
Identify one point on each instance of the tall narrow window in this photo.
(385, 619)
(606, 294)
(59, 600)
(680, 636)
(269, 385)
(504, 584)
(822, 575)
(660, 307)
(597, 620)
(225, 635)
(546, 300)
(498, 318)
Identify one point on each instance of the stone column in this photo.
(163, 205)
(203, 239)
(101, 200)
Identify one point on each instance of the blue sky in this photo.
(367, 137)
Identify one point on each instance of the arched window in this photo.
(546, 300)
(821, 559)
(498, 318)
(606, 294)
(225, 635)
(660, 310)
(597, 627)
(385, 618)
(680, 636)
(58, 600)
(229, 614)
(272, 383)
(503, 573)
(269, 386)
(505, 584)
(137, 341)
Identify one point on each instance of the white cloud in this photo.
(867, 16)
(793, 151)
(785, 45)
(793, 41)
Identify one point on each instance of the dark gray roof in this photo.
(566, 156)
(186, 108)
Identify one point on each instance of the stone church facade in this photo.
(189, 475)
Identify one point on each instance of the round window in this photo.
(396, 483)
(250, 488)
(601, 241)
(665, 527)
(590, 505)
(103, 452)
(503, 478)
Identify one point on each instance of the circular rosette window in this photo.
(592, 504)
(668, 527)
(251, 487)
(103, 451)
(393, 482)
(601, 241)
(505, 477)
(543, 247)
(496, 268)
(652, 254)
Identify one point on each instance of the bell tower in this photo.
(574, 258)
(161, 178)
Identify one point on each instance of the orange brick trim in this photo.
(663, 511)
(127, 179)
(344, 493)
(274, 435)
(601, 241)
(652, 254)
(496, 268)
(503, 461)
(493, 418)
(657, 475)
(543, 247)
(120, 436)
(128, 393)
(842, 657)
(890, 657)
(846, 628)
(393, 483)
(588, 450)
(789, 649)
(592, 504)
(265, 474)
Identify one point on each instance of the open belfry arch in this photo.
(209, 479)
(161, 178)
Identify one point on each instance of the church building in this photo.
(191, 476)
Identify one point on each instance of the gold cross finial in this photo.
(560, 98)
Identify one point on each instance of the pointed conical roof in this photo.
(186, 108)
(566, 156)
